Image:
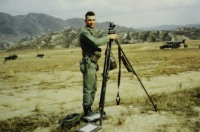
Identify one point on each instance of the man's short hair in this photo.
(89, 13)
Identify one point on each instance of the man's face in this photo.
(90, 21)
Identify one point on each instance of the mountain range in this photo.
(37, 24)
(22, 28)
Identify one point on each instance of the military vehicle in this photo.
(174, 44)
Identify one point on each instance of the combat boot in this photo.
(87, 110)
(90, 109)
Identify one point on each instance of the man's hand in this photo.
(112, 36)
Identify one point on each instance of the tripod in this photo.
(107, 64)
(105, 79)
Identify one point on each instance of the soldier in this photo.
(90, 56)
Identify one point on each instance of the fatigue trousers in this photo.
(88, 70)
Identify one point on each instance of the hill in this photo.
(14, 28)
(27, 31)
(70, 38)
(38, 23)
(170, 27)
(30, 24)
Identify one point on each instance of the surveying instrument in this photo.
(108, 66)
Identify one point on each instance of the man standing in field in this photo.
(90, 56)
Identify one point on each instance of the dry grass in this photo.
(53, 60)
(183, 104)
(29, 123)
(148, 61)
(151, 61)
(180, 103)
(183, 101)
(37, 108)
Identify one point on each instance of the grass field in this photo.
(146, 58)
(37, 92)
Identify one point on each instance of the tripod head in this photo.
(111, 28)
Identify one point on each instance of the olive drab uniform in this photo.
(88, 65)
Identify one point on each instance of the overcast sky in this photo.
(129, 13)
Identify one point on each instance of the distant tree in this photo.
(166, 37)
(143, 36)
(151, 38)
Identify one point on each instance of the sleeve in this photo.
(87, 38)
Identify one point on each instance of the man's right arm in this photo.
(95, 42)
(92, 41)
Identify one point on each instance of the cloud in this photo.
(123, 12)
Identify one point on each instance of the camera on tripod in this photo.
(111, 29)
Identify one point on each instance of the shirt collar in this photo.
(91, 30)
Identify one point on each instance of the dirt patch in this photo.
(50, 96)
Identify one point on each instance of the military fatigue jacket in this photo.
(89, 43)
